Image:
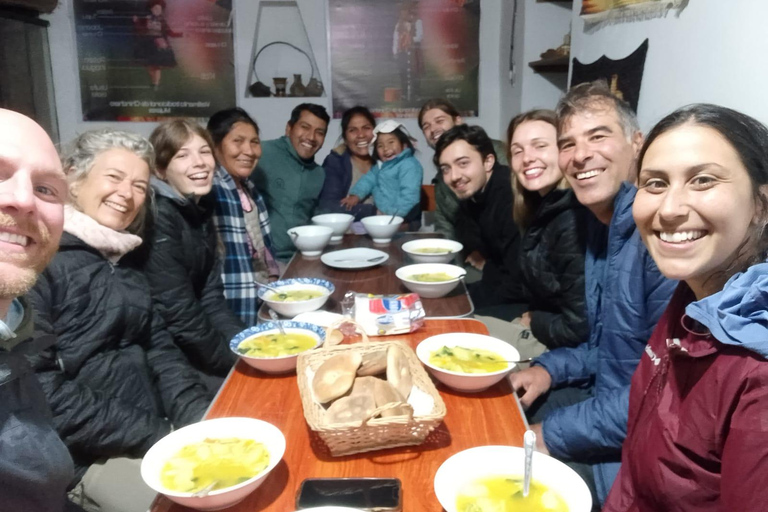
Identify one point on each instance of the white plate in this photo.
(321, 318)
(354, 258)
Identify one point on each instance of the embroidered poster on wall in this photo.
(624, 76)
(392, 56)
(145, 60)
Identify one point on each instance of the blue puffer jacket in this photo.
(625, 295)
(395, 184)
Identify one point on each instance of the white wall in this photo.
(543, 25)
(271, 113)
(714, 52)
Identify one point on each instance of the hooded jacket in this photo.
(290, 186)
(697, 429)
(35, 466)
(626, 296)
(114, 379)
(184, 273)
(552, 269)
(394, 184)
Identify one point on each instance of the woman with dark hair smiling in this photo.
(348, 162)
(697, 430)
(241, 216)
(184, 268)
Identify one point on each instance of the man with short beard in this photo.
(35, 466)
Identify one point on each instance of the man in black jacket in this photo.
(35, 466)
(467, 161)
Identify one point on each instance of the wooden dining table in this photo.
(490, 417)
(379, 279)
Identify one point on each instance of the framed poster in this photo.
(392, 56)
(142, 60)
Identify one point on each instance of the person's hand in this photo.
(525, 319)
(535, 381)
(540, 446)
(350, 201)
(476, 260)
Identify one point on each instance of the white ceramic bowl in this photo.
(430, 290)
(486, 461)
(310, 240)
(243, 428)
(292, 309)
(466, 382)
(338, 222)
(380, 229)
(276, 364)
(451, 247)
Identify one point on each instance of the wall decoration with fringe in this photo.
(612, 11)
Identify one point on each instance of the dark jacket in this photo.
(552, 267)
(696, 438)
(338, 181)
(485, 224)
(114, 379)
(35, 466)
(184, 273)
(626, 294)
(448, 204)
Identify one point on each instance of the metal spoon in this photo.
(393, 218)
(277, 321)
(520, 361)
(205, 490)
(272, 288)
(529, 441)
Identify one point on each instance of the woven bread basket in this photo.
(372, 433)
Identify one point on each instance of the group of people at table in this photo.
(633, 268)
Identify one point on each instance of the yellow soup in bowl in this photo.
(296, 295)
(276, 345)
(432, 250)
(467, 360)
(431, 277)
(505, 493)
(227, 461)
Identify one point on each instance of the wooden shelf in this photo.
(556, 65)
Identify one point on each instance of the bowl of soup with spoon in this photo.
(267, 349)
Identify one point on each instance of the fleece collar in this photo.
(112, 244)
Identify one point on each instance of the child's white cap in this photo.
(389, 126)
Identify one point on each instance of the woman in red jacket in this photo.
(697, 437)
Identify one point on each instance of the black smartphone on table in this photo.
(372, 494)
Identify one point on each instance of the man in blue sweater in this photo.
(578, 398)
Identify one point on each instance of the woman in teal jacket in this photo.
(395, 180)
